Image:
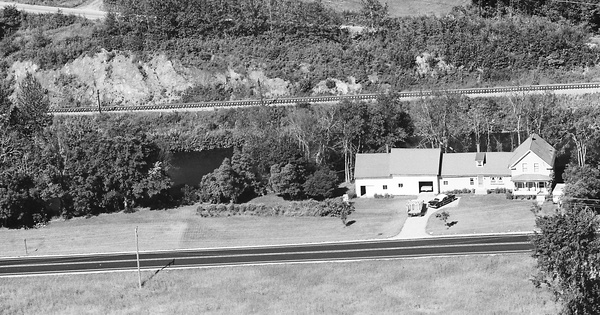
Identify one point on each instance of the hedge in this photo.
(327, 208)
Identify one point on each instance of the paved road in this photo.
(89, 13)
(44, 265)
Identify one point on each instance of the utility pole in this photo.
(25, 240)
(262, 101)
(137, 255)
(98, 99)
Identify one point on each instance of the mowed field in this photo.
(183, 228)
(453, 285)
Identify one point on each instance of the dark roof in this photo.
(536, 145)
(398, 162)
(463, 164)
(480, 156)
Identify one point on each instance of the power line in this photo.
(578, 2)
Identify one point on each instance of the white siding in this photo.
(530, 160)
(410, 185)
(465, 182)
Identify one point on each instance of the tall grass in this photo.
(458, 285)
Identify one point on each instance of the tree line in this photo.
(75, 168)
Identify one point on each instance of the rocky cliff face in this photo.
(123, 79)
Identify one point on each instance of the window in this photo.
(446, 182)
(384, 187)
(479, 163)
(471, 181)
(536, 167)
(400, 185)
(524, 167)
(541, 185)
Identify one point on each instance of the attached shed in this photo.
(399, 172)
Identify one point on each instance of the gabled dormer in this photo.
(479, 159)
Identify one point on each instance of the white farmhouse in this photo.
(532, 167)
(526, 171)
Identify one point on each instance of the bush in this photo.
(460, 191)
(321, 184)
(499, 190)
(334, 207)
(189, 195)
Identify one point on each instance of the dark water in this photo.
(189, 167)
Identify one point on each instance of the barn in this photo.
(398, 172)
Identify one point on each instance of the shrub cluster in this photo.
(327, 208)
(460, 191)
(499, 190)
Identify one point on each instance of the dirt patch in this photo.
(123, 79)
(97, 5)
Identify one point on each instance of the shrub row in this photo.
(328, 208)
(460, 191)
(499, 190)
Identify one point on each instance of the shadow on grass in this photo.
(172, 262)
(451, 224)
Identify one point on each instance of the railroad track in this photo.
(329, 99)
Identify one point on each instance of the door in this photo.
(480, 180)
(363, 190)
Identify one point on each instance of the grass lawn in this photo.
(486, 214)
(455, 285)
(182, 228)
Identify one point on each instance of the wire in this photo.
(577, 2)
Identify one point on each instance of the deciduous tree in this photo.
(567, 250)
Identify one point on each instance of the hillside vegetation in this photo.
(238, 49)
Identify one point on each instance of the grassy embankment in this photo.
(182, 228)
(487, 214)
(455, 285)
(53, 3)
(396, 7)
(399, 8)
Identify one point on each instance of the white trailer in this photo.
(415, 207)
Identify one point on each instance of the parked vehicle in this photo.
(557, 193)
(441, 200)
(416, 208)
